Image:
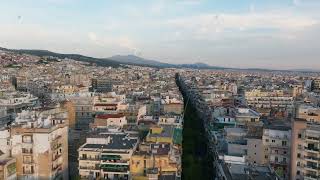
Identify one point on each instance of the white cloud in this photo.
(205, 24)
(92, 36)
(190, 2)
(108, 41)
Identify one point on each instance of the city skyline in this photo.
(245, 34)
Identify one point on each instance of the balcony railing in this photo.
(89, 159)
(311, 149)
(312, 138)
(311, 158)
(89, 168)
(312, 176)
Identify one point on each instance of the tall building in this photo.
(276, 141)
(305, 150)
(39, 143)
(315, 85)
(102, 85)
(309, 113)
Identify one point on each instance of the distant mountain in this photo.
(125, 59)
(132, 59)
(77, 57)
(118, 60)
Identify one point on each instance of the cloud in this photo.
(189, 2)
(205, 24)
(92, 36)
(120, 42)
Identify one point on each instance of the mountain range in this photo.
(118, 60)
(114, 61)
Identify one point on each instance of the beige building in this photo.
(316, 85)
(309, 113)
(39, 142)
(305, 153)
(276, 142)
(155, 158)
(267, 100)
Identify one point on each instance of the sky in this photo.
(277, 34)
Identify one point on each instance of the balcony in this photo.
(281, 163)
(115, 168)
(97, 167)
(28, 161)
(110, 157)
(56, 146)
(311, 158)
(311, 176)
(27, 151)
(311, 168)
(56, 156)
(89, 159)
(312, 149)
(314, 139)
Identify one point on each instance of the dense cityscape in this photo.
(159, 90)
(67, 119)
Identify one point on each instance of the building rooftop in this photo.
(114, 141)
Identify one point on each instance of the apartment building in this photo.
(4, 117)
(39, 143)
(103, 84)
(15, 101)
(309, 113)
(107, 155)
(105, 121)
(157, 159)
(315, 85)
(276, 140)
(305, 150)
(172, 106)
(269, 99)
(245, 116)
(83, 106)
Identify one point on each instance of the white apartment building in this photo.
(107, 156)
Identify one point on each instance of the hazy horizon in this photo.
(244, 34)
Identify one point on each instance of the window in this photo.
(299, 146)
(298, 172)
(299, 155)
(298, 164)
(84, 156)
(284, 143)
(27, 139)
(273, 141)
(276, 159)
(299, 136)
(27, 159)
(267, 140)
